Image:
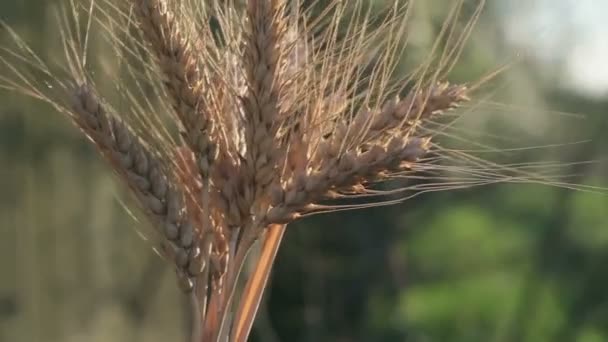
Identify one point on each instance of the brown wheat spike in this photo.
(284, 108)
(344, 172)
(184, 80)
(416, 106)
(265, 31)
(144, 175)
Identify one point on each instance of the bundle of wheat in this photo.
(281, 109)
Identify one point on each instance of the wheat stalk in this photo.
(279, 114)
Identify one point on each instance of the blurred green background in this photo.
(512, 262)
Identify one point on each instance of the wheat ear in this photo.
(266, 28)
(184, 79)
(418, 105)
(145, 176)
(343, 173)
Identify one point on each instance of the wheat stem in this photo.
(256, 284)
